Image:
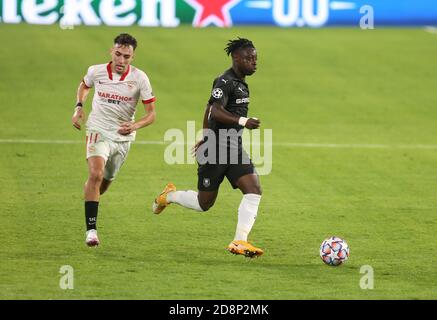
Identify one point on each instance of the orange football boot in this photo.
(161, 202)
(244, 248)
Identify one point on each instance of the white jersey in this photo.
(115, 99)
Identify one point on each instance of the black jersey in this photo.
(233, 94)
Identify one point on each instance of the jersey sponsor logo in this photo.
(217, 93)
(114, 98)
(243, 100)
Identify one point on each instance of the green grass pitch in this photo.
(364, 101)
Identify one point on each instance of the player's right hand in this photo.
(253, 123)
(78, 117)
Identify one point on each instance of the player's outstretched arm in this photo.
(129, 127)
(219, 113)
(79, 114)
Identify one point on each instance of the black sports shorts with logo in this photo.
(210, 176)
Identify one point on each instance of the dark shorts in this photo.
(210, 176)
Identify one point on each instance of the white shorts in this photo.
(114, 153)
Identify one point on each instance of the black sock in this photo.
(91, 208)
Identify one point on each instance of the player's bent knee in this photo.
(96, 176)
(206, 205)
(104, 186)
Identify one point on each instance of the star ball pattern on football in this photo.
(334, 251)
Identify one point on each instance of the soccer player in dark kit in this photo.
(220, 154)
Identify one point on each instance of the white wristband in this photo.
(242, 121)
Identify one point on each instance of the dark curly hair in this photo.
(125, 39)
(239, 43)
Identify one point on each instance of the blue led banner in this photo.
(221, 13)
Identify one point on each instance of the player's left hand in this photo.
(126, 128)
(253, 123)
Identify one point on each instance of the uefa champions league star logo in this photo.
(217, 93)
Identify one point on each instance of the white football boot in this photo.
(91, 238)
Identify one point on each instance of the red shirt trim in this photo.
(124, 75)
(149, 100)
(108, 68)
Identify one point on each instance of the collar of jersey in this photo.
(123, 76)
(231, 72)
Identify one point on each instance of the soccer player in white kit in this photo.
(111, 128)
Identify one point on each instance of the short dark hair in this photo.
(125, 39)
(239, 43)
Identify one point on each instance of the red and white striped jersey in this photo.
(115, 98)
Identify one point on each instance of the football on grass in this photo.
(334, 251)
